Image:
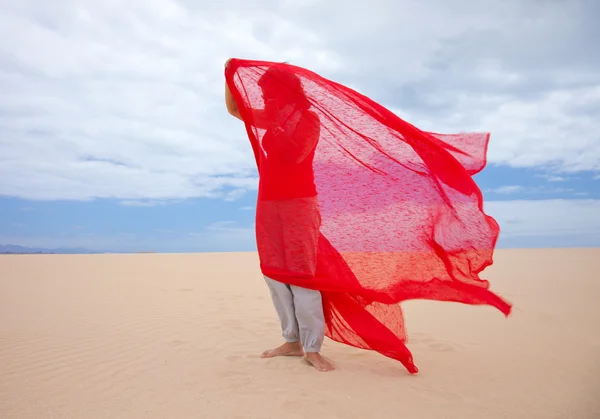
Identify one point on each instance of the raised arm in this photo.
(230, 103)
(258, 117)
(294, 144)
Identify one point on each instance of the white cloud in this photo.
(124, 100)
(547, 131)
(508, 189)
(523, 223)
(142, 203)
(532, 190)
(162, 231)
(548, 223)
(553, 178)
(223, 236)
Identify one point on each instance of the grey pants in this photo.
(300, 311)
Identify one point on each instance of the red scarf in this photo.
(359, 204)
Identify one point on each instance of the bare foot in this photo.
(316, 360)
(287, 349)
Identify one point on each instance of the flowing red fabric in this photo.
(359, 204)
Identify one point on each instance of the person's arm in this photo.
(230, 103)
(232, 107)
(259, 118)
(293, 146)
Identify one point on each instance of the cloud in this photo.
(535, 190)
(106, 99)
(547, 223)
(509, 189)
(523, 223)
(552, 178)
(217, 237)
(141, 203)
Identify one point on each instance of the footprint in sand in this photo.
(241, 355)
(442, 346)
(433, 344)
(233, 325)
(300, 403)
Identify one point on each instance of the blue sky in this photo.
(517, 198)
(123, 143)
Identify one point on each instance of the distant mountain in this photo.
(13, 249)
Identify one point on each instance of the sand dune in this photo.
(178, 336)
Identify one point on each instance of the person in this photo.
(288, 219)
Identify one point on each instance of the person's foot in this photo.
(287, 349)
(316, 360)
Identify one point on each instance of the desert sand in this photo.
(179, 336)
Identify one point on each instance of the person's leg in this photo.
(283, 300)
(269, 235)
(308, 306)
(300, 227)
(301, 238)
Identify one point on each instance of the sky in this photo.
(114, 134)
